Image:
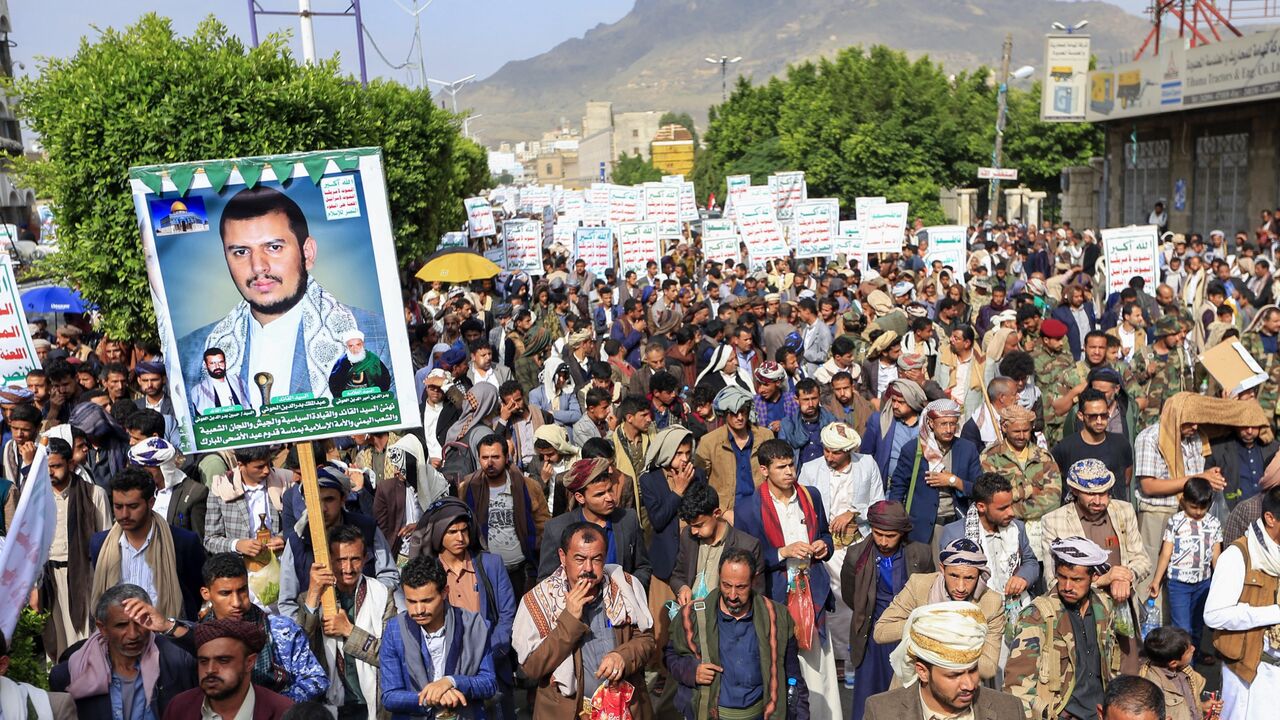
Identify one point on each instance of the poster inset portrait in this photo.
(272, 294)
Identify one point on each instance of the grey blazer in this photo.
(905, 703)
(1028, 566)
(631, 552)
(685, 572)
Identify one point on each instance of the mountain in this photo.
(653, 58)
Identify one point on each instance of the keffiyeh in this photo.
(840, 437)
(1080, 551)
(949, 635)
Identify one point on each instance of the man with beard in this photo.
(1032, 471)
(803, 430)
(1077, 315)
(123, 652)
(991, 524)
(591, 486)
(1066, 648)
(217, 390)
(942, 647)
(358, 368)
(935, 472)
(585, 625)
(844, 403)
(434, 656)
(741, 667)
(287, 325)
(226, 654)
(286, 664)
(888, 431)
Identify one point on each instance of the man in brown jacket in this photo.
(584, 629)
(728, 454)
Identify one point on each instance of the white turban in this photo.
(949, 635)
(350, 335)
(840, 437)
(157, 452)
(1079, 551)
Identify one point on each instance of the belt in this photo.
(1269, 659)
(755, 712)
(58, 564)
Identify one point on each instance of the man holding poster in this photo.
(287, 325)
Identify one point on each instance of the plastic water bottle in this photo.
(1150, 617)
(792, 692)
(850, 678)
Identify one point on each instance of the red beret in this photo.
(1053, 328)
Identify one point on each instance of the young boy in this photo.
(706, 536)
(1166, 661)
(1192, 542)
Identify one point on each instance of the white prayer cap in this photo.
(350, 335)
(949, 635)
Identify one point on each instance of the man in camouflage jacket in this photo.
(1042, 668)
(1163, 369)
(1053, 363)
(1037, 483)
(1266, 322)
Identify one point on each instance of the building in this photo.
(672, 150)
(633, 131)
(1194, 128)
(15, 203)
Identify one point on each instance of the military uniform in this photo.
(1059, 374)
(1269, 392)
(1037, 485)
(1162, 376)
(1041, 670)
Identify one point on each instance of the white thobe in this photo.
(1223, 611)
(271, 348)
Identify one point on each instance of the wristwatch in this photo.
(173, 627)
(951, 481)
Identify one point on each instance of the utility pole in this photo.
(724, 62)
(1002, 107)
(308, 34)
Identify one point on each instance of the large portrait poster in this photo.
(275, 286)
(1129, 252)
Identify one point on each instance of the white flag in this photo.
(26, 547)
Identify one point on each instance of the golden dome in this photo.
(177, 207)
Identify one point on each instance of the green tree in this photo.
(877, 123)
(684, 120)
(634, 170)
(144, 95)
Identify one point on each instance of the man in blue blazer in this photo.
(935, 472)
(898, 422)
(1075, 303)
(128, 551)
(1003, 538)
(789, 521)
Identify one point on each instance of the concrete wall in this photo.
(599, 117)
(1080, 199)
(1182, 129)
(633, 131)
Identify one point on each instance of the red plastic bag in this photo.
(611, 701)
(800, 605)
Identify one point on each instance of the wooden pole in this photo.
(315, 520)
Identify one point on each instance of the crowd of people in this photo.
(821, 488)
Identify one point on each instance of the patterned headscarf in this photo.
(1016, 413)
(840, 437)
(963, 551)
(944, 408)
(949, 635)
(1090, 476)
(583, 472)
(1080, 551)
(889, 515)
(770, 371)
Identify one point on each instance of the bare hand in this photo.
(938, 480)
(841, 522)
(434, 692)
(685, 596)
(436, 462)
(1016, 586)
(680, 479)
(799, 550)
(820, 549)
(145, 615)
(321, 578)
(276, 544)
(577, 597)
(1154, 590)
(404, 531)
(28, 451)
(1215, 478)
(776, 426)
(611, 667)
(248, 548)
(706, 673)
(1120, 590)
(546, 471)
(337, 625)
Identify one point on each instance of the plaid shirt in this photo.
(782, 408)
(1148, 462)
(1065, 522)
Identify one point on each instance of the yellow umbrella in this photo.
(457, 265)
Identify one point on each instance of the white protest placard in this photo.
(735, 191)
(534, 197)
(688, 203)
(548, 225)
(662, 205)
(480, 217)
(1129, 252)
(673, 179)
(562, 235)
(453, 239)
(594, 246)
(850, 242)
(788, 190)
(814, 226)
(17, 354)
(863, 205)
(573, 206)
(947, 244)
(340, 198)
(637, 245)
(522, 245)
(626, 204)
(761, 231)
(883, 227)
(497, 255)
(720, 241)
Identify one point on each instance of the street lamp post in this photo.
(724, 62)
(1070, 29)
(452, 88)
(417, 32)
(466, 124)
(1002, 111)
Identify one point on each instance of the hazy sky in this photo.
(461, 37)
